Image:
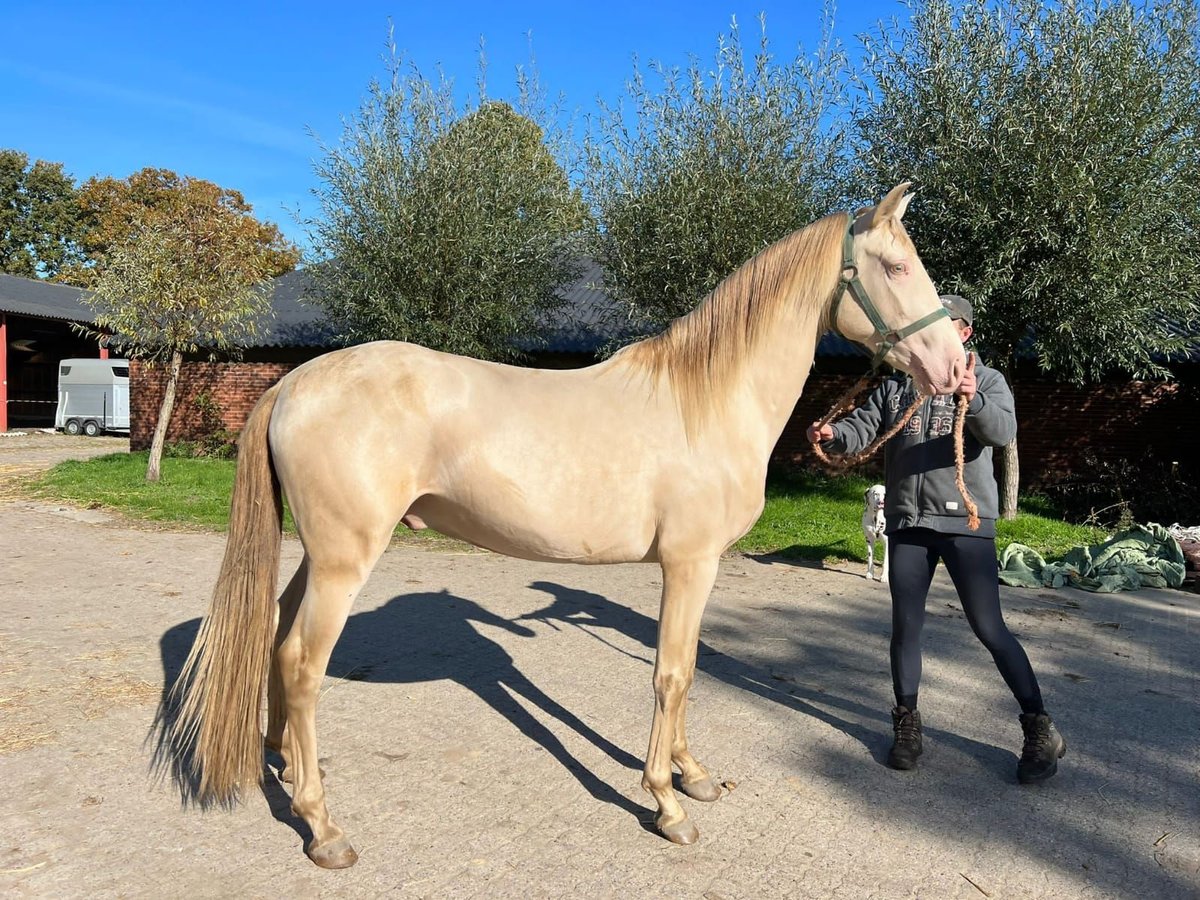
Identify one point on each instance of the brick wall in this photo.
(234, 387)
(1059, 426)
(820, 393)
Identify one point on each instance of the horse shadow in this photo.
(429, 637)
(596, 615)
(416, 638)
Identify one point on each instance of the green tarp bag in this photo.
(1143, 556)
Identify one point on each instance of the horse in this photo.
(657, 454)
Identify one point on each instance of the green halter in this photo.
(889, 337)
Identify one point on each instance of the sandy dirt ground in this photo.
(484, 720)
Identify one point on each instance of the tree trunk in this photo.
(164, 418)
(1010, 464)
(1010, 471)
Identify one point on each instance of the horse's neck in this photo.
(779, 367)
(735, 366)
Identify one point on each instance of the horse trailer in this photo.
(93, 396)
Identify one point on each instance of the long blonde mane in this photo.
(704, 353)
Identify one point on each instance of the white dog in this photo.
(873, 525)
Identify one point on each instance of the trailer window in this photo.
(121, 371)
(64, 370)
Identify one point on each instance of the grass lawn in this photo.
(819, 517)
(807, 516)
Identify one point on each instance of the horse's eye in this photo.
(899, 268)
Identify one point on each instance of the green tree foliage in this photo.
(1056, 150)
(445, 227)
(695, 177)
(39, 217)
(187, 272)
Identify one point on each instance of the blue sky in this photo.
(230, 92)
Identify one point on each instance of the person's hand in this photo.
(817, 433)
(968, 386)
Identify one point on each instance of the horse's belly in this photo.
(564, 534)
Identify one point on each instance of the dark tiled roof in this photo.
(835, 345)
(589, 319)
(31, 297)
(297, 321)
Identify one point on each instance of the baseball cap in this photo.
(958, 307)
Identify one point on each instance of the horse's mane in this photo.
(704, 352)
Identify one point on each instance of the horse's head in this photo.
(901, 319)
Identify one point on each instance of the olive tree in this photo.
(452, 227)
(696, 170)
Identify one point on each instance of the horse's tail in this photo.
(215, 735)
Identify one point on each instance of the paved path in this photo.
(484, 720)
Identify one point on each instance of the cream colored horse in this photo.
(658, 454)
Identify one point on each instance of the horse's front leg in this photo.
(686, 586)
(694, 778)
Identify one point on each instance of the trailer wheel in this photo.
(72, 426)
(91, 428)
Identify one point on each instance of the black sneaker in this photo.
(1044, 747)
(907, 746)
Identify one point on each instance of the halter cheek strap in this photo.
(889, 337)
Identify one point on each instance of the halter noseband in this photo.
(889, 337)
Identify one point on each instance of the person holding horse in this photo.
(927, 522)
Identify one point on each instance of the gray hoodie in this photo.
(919, 461)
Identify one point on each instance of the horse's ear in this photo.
(894, 204)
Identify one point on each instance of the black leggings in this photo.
(971, 562)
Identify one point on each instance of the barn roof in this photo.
(31, 297)
(589, 320)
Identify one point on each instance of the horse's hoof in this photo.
(704, 789)
(681, 832)
(336, 854)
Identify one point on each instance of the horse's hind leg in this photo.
(303, 656)
(686, 586)
(289, 603)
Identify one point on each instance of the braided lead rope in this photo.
(845, 462)
(853, 459)
(960, 417)
(843, 404)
